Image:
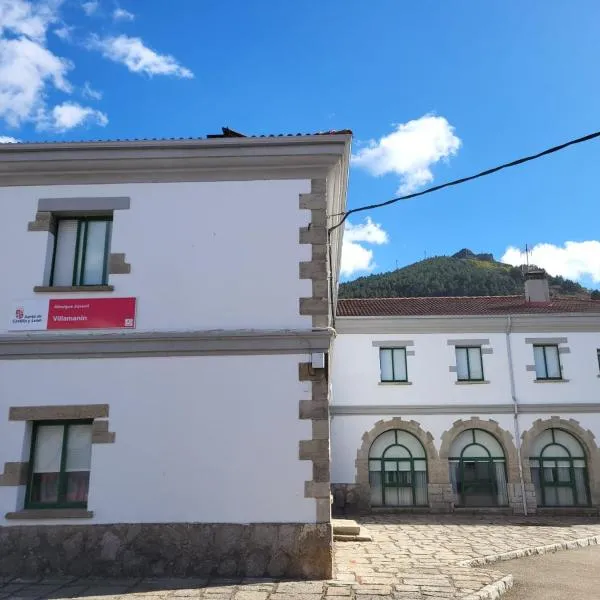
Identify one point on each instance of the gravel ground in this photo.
(572, 575)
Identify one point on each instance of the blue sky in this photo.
(432, 90)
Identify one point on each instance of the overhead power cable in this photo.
(436, 188)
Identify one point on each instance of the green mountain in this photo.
(463, 274)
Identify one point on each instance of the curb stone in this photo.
(537, 550)
(492, 591)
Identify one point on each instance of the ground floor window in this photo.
(60, 464)
(559, 470)
(398, 470)
(478, 469)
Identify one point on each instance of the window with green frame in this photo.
(478, 469)
(469, 363)
(397, 470)
(59, 462)
(392, 363)
(80, 253)
(547, 361)
(559, 470)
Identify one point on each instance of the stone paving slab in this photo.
(412, 557)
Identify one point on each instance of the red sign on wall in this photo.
(92, 313)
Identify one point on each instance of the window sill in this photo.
(50, 513)
(468, 382)
(395, 383)
(550, 381)
(73, 288)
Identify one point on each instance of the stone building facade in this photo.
(166, 303)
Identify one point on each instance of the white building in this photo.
(162, 376)
(443, 403)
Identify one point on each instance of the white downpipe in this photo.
(515, 411)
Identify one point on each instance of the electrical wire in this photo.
(436, 188)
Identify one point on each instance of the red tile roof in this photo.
(475, 305)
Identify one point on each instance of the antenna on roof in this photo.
(527, 256)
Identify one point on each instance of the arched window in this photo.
(559, 470)
(397, 470)
(478, 469)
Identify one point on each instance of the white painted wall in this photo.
(356, 382)
(356, 375)
(198, 439)
(209, 255)
(579, 368)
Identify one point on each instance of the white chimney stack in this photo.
(536, 287)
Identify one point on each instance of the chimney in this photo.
(536, 287)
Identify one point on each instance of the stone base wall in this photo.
(349, 499)
(169, 549)
(515, 498)
(441, 497)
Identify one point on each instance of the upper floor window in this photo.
(60, 464)
(469, 364)
(392, 362)
(547, 362)
(81, 249)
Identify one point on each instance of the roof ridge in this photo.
(433, 297)
(179, 138)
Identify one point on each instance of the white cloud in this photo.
(137, 57)
(26, 68)
(120, 14)
(67, 115)
(89, 92)
(5, 139)
(355, 257)
(410, 151)
(89, 8)
(30, 72)
(574, 260)
(22, 17)
(64, 32)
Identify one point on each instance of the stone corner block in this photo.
(314, 410)
(117, 264)
(15, 474)
(313, 306)
(44, 221)
(314, 489)
(101, 434)
(313, 449)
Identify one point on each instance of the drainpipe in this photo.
(515, 411)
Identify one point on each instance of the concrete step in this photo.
(345, 527)
(363, 536)
(347, 530)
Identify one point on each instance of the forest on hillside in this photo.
(463, 274)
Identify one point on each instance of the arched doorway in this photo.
(559, 469)
(478, 469)
(397, 470)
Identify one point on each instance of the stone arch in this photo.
(504, 437)
(434, 473)
(362, 457)
(584, 436)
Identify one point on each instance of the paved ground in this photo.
(574, 575)
(417, 557)
(412, 557)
